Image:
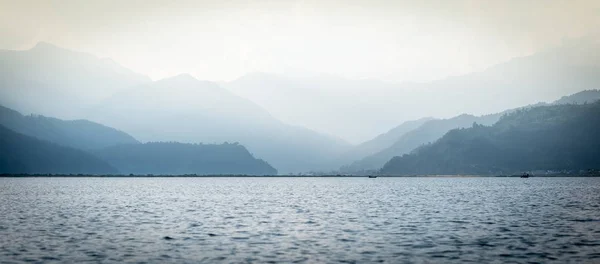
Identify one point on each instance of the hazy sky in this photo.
(222, 40)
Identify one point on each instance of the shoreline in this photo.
(285, 176)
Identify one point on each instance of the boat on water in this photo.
(525, 175)
(372, 176)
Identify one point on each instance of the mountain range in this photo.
(432, 130)
(357, 110)
(541, 138)
(40, 145)
(427, 132)
(185, 109)
(378, 143)
(171, 158)
(24, 154)
(54, 81)
(267, 114)
(59, 82)
(80, 134)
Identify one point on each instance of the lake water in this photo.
(397, 220)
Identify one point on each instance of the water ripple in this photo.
(300, 220)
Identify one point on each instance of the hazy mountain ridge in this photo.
(187, 110)
(434, 129)
(587, 96)
(358, 110)
(116, 149)
(172, 158)
(427, 132)
(558, 137)
(49, 145)
(23, 154)
(80, 134)
(328, 103)
(380, 142)
(59, 82)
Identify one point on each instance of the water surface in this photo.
(192, 220)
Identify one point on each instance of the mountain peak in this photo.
(187, 80)
(184, 77)
(45, 46)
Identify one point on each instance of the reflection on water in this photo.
(300, 219)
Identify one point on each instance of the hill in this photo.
(357, 110)
(434, 129)
(188, 110)
(559, 137)
(427, 132)
(587, 96)
(81, 134)
(380, 142)
(59, 82)
(177, 159)
(23, 154)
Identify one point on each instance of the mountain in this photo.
(62, 83)
(558, 138)
(23, 154)
(353, 109)
(59, 82)
(432, 130)
(380, 142)
(357, 110)
(188, 110)
(427, 132)
(587, 96)
(178, 159)
(80, 134)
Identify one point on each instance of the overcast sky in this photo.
(222, 40)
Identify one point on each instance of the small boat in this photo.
(525, 175)
(372, 176)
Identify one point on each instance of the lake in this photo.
(285, 220)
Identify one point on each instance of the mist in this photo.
(305, 76)
(288, 131)
(367, 41)
(218, 41)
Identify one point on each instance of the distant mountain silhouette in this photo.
(326, 102)
(559, 137)
(587, 96)
(59, 82)
(81, 134)
(66, 84)
(427, 132)
(353, 109)
(432, 130)
(187, 110)
(380, 142)
(177, 159)
(23, 154)
(30, 151)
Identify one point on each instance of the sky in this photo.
(392, 41)
(356, 39)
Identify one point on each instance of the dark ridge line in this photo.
(281, 176)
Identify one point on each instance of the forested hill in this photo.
(432, 130)
(24, 154)
(559, 137)
(428, 132)
(81, 134)
(586, 96)
(178, 158)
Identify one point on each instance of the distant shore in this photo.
(277, 176)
